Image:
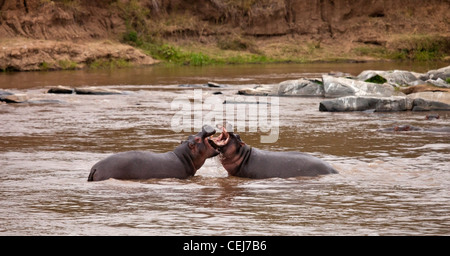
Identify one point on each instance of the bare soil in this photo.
(37, 33)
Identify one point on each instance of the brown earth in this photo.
(28, 55)
(423, 88)
(277, 28)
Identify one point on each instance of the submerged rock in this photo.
(260, 90)
(207, 85)
(24, 98)
(85, 90)
(61, 90)
(5, 93)
(45, 101)
(13, 98)
(96, 91)
(191, 85)
(215, 85)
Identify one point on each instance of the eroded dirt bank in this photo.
(279, 29)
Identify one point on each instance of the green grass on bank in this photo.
(237, 50)
(182, 55)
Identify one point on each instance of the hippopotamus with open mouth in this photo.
(182, 162)
(241, 160)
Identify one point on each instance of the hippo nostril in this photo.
(208, 131)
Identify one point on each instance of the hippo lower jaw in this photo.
(206, 133)
(211, 146)
(221, 140)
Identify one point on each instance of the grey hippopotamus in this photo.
(182, 162)
(407, 128)
(239, 159)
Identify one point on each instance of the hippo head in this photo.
(199, 147)
(227, 143)
(402, 128)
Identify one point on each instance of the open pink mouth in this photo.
(221, 140)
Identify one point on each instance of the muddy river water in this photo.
(388, 183)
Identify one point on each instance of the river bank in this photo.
(22, 54)
(79, 34)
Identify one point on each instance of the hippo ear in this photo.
(229, 127)
(239, 140)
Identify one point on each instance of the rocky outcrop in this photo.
(394, 77)
(296, 88)
(28, 55)
(401, 78)
(59, 20)
(439, 83)
(428, 101)
(432, 96)
(420, 104)
(356, 94)
(346, 24)
(395, 83)
(423, 97)
(301, 87)
(341, 87)
(367, 103)
(365, 21)
(438, 74)
(330, 87)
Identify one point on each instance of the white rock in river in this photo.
(301, 87)
(339, 87)
(363, 103)
(393, 77)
